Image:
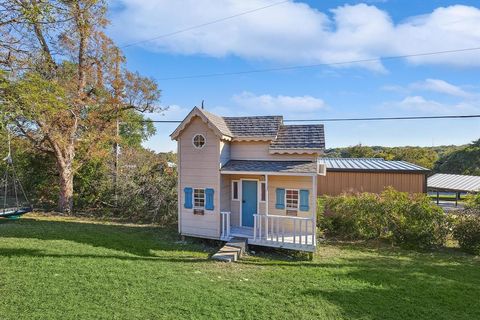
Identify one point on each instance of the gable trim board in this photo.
(295, 151)
(197, 113)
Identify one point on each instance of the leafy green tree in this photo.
(424, 157)
(357, 151)
(147, 190)
(463, 161)
(63, 85)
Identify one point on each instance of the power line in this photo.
(386, 118)
(203, 24)
(233, 73)
(354, 119)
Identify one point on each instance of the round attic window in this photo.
(198, 141)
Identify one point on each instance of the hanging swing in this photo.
(13, 199)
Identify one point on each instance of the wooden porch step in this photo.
(231, 251)
(240, 243)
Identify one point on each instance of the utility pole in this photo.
(117, 152)
(117, 130)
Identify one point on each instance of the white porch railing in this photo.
(284, 230)
(225, 225)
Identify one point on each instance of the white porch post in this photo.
(266, 206)
(266, 194)
(314, 197)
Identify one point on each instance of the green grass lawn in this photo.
(52, 268)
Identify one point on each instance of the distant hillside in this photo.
(464, 159)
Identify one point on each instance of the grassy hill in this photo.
(57, 268)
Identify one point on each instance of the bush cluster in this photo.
(467, 232)
(472, 203)
(408, 220)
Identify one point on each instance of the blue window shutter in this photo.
(209, 199)
(280, 201)
(304, 200)
(188, 198)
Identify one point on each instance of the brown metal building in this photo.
(352, 175)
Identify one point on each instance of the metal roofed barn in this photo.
(352, 175)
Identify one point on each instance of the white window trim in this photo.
(204, 139)
(298, 200)
(260, 191)
(238, 190)
(204, 198)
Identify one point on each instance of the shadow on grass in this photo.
(140, 241)
(377, 281)
(40, 253)
(389, 288)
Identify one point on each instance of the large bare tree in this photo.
(63, 84)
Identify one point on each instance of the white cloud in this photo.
(423, 105)
(419, 103)
(431, 85)
(296, 33)
(279, 104)
(441, 86)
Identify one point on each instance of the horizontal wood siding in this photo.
(335, 183)
(225, 193)
(199, 168)
(286, 182)
(290, 182)
(259, 150)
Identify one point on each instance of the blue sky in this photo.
(311, 32)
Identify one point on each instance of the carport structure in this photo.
(441, 182)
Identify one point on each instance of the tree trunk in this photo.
(65, 200)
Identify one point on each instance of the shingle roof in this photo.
(218, 122)
(300, 137)
(454, 182)
(270, 166)
(270, 128)
(266, 126)
(370, 164)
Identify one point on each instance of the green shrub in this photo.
(409, 220)
(472, 202)
(353, 217)
(467, 232)
(413, 220)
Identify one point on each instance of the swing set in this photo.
(13, 197)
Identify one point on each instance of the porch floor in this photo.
(289, 241)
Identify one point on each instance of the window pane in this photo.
(291, 199)
(235, 190)
(199, 141)
(262, 192)
(199, 198)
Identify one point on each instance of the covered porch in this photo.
(270, 203)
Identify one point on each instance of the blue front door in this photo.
(249, 202)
